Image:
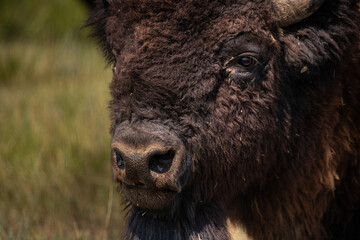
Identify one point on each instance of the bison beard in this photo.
(220, 111)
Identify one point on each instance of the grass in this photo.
(55, 176)
(38, 19)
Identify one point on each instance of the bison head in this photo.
(213, 103)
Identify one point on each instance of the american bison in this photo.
(235, 109)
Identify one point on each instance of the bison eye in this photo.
(246, 61)
(243, 62)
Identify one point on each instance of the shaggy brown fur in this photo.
(275, 146)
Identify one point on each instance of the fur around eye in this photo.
(244, 61)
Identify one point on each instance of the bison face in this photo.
(194, 100)
(188, 119)
(203, 96)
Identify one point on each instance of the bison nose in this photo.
(135, 162)
(149, 157)
(153, 166)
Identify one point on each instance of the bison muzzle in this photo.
(150, 163)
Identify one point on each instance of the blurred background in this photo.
(55, 177)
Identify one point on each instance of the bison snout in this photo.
(143, 166)
(150, 163)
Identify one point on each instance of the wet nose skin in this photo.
(153, 167)
(137, 164)
(150, 164)
(149, 156)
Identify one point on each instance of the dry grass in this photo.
(55, 176)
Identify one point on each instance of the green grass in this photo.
(37, 19)
(55, 178)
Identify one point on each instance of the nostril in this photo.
(161, 163)
(119, 160)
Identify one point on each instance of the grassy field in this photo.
(55, 178)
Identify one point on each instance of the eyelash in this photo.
(245, 60)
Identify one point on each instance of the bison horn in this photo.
(294, 11)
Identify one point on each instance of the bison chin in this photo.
(150, 164)
(148, 198)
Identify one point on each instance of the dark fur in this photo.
(278, 153)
